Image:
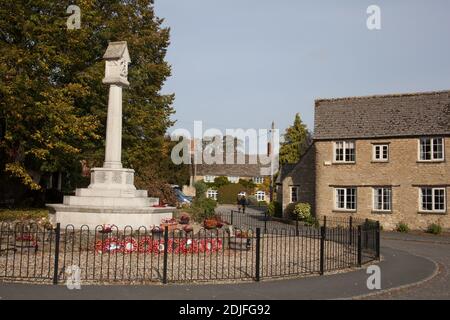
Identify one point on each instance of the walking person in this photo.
(243, 203)
(238, 202)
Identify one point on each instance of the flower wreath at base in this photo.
(149, 245)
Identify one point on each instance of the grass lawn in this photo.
(22, 214)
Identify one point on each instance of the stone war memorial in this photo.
(111, 198)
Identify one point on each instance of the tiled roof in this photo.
(414, 114)
(251, 168)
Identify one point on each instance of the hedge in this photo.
(228, 194)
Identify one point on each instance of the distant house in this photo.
(381, 157)
(250, 170)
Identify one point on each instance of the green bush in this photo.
(402, 227)
(302, 211)
(200, 190)
(248, 184)
(275, 209)
(220, 182)
(228, 194)
(434, 228)
(289, 210)
(202, 209)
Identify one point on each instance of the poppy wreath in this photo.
(27, 238)
(130, 245)
(146, 245)
(111, 245)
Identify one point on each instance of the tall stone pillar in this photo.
(113, 152)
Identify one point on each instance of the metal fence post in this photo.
(166, 245)
(258, 254)
(56, 262)
(359, 246)
(366, 236)
(232, 211)
(265, 221)
(378, 240)
(323, 232)
(296, 227)
(350, 235)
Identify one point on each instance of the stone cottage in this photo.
(380, 157)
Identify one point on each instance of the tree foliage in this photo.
(51, 90)
(297, 140)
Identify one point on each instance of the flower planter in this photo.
(240, 243)
(210, 224)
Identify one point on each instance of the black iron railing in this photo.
(30, 252)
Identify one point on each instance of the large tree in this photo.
(296, 140)
(51, 90)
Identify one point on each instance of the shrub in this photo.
(402, 227)
(289, 210)
(228, 194)
(248, 184)
(200, 189)
(302, 211)
(202, 209)
(220, 182)
(434, 228)
(274, 209)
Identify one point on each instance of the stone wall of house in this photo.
(302, 176)
(403, 172)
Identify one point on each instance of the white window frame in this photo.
(432, 143)
(233, 179)
(344, 148)
(258, 180)
(381, 146)
(375, 199)
(433, 203)
(291, 189)
(212, 194)
(209, 179)
(345, 208)
(260, 195)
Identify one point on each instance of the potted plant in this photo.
(242, 240)
(210, 223)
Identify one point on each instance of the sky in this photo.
(246, 63)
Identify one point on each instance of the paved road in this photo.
(434, 248)
(399, 268)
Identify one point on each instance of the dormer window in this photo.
(258, 180)
(209, 179)
(344, 151)
(431, 149)
(233, 179)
